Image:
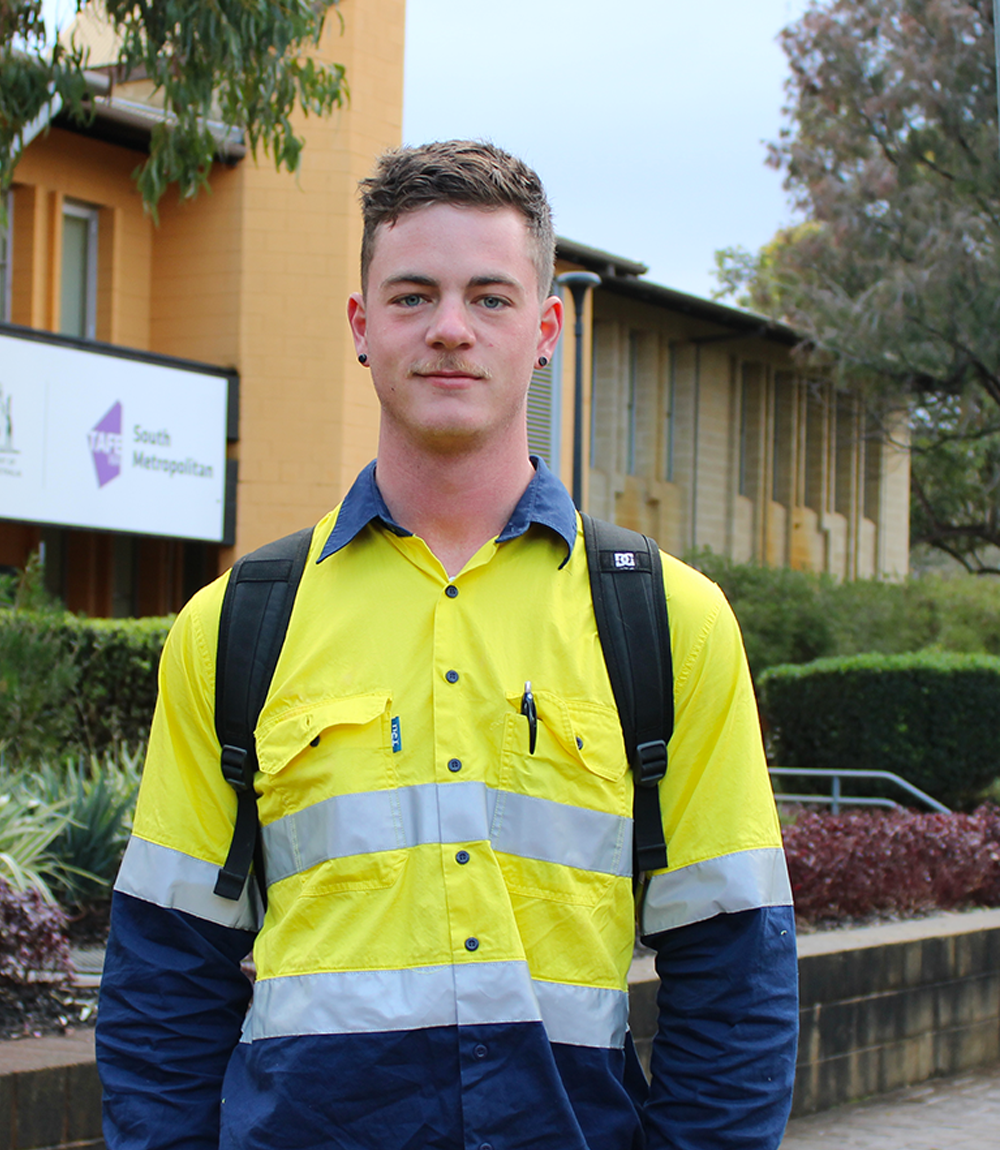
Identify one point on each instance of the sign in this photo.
(89, 438)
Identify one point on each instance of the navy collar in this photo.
(545, 501)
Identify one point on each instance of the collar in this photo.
(545, 501)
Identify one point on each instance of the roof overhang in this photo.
(622, 277)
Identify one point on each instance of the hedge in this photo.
(70, 685)
(900, 863)
(932, 717)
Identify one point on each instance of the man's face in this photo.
(452, 325)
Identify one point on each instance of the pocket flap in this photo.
(588, 732)
(280, 739)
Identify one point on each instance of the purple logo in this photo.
(105, 440)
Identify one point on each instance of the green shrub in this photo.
(70, 685)
(28, 828)
(97, 798)
(960, 614)
(932, 717)
(115, 693)
(782, 613)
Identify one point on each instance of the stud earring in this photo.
(542, 361)
(362, 359)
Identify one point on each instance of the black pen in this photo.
(530, 712)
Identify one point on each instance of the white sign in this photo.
(89, 439)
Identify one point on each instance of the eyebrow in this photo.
(420, 280)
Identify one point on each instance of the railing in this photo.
(837, 798)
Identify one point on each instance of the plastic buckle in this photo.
(234, 764)
(650, 763)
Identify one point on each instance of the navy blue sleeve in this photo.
(172, 1003)
(723, 1061)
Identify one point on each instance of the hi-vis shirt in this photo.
(443, 961)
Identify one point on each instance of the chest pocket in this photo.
(562, 827)
(328, 801)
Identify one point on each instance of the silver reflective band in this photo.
(746, 880)
(467, 994)
(447, 813)
(172, 879)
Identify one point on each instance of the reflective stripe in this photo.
(467, 994)
(458, 812)
(583, 1015)
(172, 879)
(745, 880)
(554, 832)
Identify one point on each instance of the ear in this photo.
(359, 322)
(550, 324)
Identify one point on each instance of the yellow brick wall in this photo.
(64, 165)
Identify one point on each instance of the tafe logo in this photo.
(105, 441)
(624, 558)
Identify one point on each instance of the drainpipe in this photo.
(579, 283)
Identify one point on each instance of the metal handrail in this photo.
(836, 798)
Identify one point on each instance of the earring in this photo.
(542, 361)
(362, 359)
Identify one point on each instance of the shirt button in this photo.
(486, 1146)
(451, 591)
(480, 1051)
(454, 765)
(451, 676)
(472, 944)
(462, 857)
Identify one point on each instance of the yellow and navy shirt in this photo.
(443, 960)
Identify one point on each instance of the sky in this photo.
(646, 119)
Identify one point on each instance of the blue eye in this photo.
(493, 302)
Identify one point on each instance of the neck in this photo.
(454, 502)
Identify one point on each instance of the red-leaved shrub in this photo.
(32, 937)
(870, 863)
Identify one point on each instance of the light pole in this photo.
(579, 283)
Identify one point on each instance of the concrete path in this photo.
(943, 1114)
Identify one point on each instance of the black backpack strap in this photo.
(626, 583)
(255, 613)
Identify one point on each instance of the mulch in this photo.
(50, 1005)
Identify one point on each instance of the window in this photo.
(78, 312)
(6, 231)
(543, 411)
(751, 414)
(632, 409)
(873, 468)
(784, 430)
(815, 430)
(845, 455)
(668, 417)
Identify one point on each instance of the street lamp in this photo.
(579, 283)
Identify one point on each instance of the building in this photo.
(186, 392)
(704, 431)
(250, 281)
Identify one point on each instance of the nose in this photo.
(449, 327)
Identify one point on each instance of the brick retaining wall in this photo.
(881, 1007)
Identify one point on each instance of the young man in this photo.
(443, 960)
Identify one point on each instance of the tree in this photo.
(243, 62)
(890, 155)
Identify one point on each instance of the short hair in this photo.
(469, 173)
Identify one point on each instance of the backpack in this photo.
(626, 584)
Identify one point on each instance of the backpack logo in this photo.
(625, 559)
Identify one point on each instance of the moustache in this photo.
(450, 366)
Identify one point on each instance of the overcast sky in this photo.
(645, 118)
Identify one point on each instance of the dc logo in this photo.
(625, 559)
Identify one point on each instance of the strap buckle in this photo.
(235, 768)
(650, 763)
